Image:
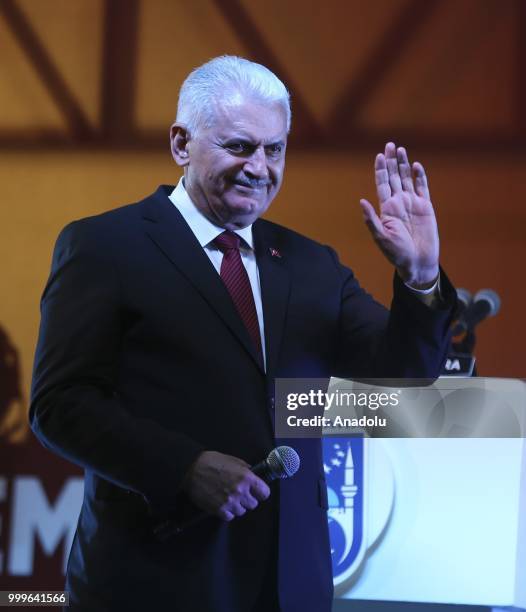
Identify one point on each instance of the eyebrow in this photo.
(250, 141)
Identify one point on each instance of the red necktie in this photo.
(235, 277)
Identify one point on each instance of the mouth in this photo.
(246, 188)
(249, 187)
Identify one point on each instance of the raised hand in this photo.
(406, 230)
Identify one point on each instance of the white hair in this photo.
(222, 79)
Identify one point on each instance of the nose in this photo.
(256, 165)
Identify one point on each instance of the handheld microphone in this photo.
(282, 462)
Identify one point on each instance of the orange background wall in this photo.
(455, 92)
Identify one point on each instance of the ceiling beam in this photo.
(119, 68)
(379, 62)
(306, 127)
(36, 53)
(359, 142)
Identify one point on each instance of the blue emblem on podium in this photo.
(344, 465)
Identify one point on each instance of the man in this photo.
(164, 326)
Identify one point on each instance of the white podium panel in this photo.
(444, 522)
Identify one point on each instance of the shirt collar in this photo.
(204, 230)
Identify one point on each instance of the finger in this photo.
(371, 219)
(421, 181)
(234, 506)
(404, 168)
(381, 177)
(259, 489)
(392, 167)
(225, 515)
(249, 502)
(239, 510)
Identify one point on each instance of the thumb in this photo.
(371, 219)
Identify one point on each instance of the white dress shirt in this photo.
(206, 232)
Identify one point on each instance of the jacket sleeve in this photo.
(410, 340)
(75, 410)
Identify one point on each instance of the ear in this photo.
(179, 139)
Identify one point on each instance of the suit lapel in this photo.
(164, 224)
(275, 288)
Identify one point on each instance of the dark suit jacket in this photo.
(142, 362)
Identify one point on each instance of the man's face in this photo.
(234, 169)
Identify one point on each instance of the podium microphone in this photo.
(486, 303)
(464, 298)
(282, 462)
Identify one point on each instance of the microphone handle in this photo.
(165, 530)
(263, 471)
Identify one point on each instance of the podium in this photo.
(444, 522)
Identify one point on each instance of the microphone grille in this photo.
(283, 461)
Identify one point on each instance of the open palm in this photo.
(406, 230)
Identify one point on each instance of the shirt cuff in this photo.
(429, 296)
